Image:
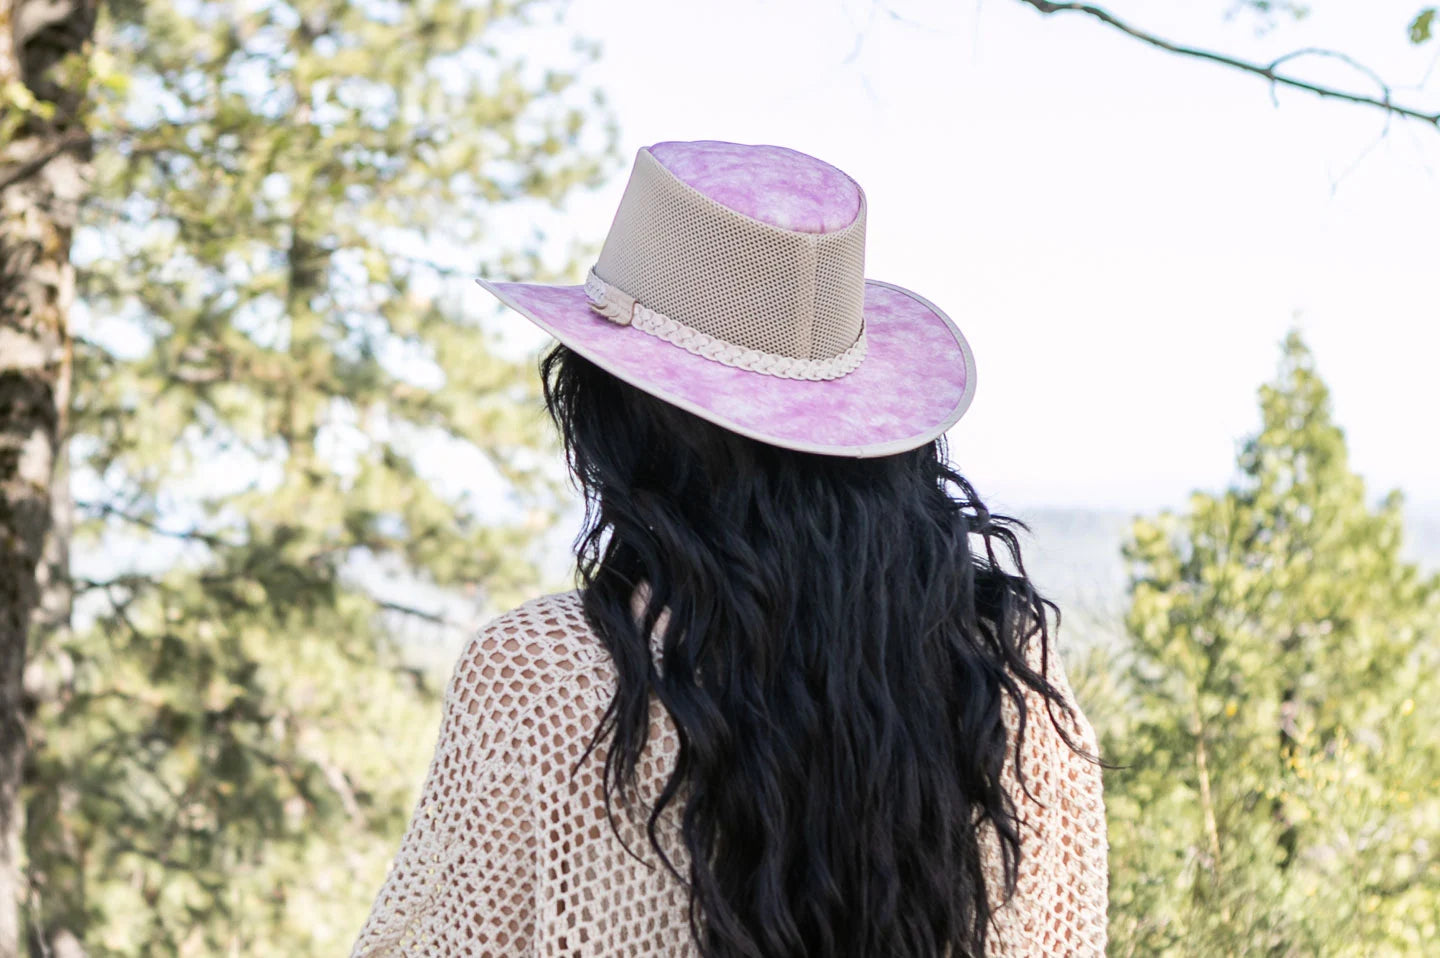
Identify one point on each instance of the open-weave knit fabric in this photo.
(507, 854)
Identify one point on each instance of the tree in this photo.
(1279, 71)
(273, 385)
(1277, 710)
(44, 164)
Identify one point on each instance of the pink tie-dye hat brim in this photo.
(898, 379)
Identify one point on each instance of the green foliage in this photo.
(1277, 707)
(1268, 12)
(1422, 28)
(273, 385)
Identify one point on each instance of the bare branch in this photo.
(433, 618)
(106, 509)
(1270, 71)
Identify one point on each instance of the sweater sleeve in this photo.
(464, 875)
(1062, 896)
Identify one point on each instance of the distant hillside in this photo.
(1073, 555)
(1074, 558)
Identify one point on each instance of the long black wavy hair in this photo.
(833, 662)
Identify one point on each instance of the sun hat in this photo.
(732, 284)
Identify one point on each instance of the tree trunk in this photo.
(55, 897)
(44, 166)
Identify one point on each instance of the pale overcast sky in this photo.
(1123, 235)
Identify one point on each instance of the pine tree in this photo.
(273, 384)
(1278, 710)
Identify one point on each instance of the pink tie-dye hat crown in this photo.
(732, 284)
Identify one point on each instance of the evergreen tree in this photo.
(1278, 709)
(273, 383)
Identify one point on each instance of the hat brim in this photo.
(916, 381)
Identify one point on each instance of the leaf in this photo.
(1423, 26)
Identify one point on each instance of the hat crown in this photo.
(757, 247)
(772, 184)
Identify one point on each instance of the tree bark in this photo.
(44, 169)
(55, 897)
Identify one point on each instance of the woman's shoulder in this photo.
(1048, 659)
(556, 616)
(524, 654)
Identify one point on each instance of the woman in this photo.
(797, 706)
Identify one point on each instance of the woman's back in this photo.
(508, 854)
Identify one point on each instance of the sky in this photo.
(1123, 235)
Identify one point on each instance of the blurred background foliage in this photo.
(224, 755)
(224, 749)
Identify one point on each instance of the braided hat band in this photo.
(623, 309)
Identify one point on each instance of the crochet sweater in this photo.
(508, 855)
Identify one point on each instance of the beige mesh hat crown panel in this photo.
(731, 284)
(733, 277)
